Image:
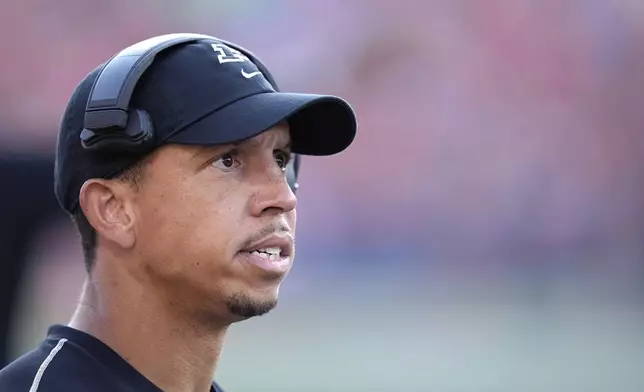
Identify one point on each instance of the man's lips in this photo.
(276, 242)
(271, 254)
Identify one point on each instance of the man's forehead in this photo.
(279, 135)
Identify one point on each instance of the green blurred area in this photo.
(440, 332)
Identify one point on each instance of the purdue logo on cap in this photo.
(226, 54)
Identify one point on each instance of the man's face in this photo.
(215, 225)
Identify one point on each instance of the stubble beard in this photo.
(242, 305)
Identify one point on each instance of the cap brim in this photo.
(320, 124)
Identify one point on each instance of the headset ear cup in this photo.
(137, 137)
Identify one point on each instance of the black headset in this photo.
(112, 125)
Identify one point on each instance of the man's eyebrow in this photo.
(282, 143)
(207, 150)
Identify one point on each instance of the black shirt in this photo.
(72, 361)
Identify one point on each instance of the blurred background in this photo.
(485, 232)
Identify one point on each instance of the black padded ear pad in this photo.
(137, 136)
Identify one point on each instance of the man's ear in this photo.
(109, 211)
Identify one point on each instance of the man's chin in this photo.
(243, 306)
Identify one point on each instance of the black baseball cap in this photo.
(193, 97)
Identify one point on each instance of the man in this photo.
(186, 238)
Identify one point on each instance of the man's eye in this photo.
(227, 161)
(282, 158)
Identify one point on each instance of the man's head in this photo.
(204, 217)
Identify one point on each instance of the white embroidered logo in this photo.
(226, 54)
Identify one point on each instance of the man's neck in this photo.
(171, 353)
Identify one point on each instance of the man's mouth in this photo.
(275, 247)
(272, 254)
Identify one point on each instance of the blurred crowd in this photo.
(500, 139)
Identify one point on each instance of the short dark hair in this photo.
(134, 176)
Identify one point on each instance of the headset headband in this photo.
(109, 99)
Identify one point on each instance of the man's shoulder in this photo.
(27, 372)
(71, 361)
(20, 374)
(54, 365)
